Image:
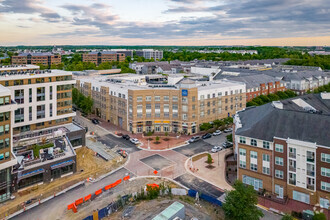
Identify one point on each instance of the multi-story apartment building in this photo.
(17, 68)
(283, 149)
(128, 53)
(129, 102)
(46, 59)
(7, 157)
(104, 56)
(37, 129)
(150, 53)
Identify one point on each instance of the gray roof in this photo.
(265, 122)
(253, 81)
(103, 52)
(35, 54)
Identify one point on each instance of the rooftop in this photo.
(18, 67)
(26, 74)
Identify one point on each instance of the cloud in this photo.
(29, 7)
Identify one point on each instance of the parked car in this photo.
(217, 132)
(122, 153)
(228, 130)
(95, 121)
(126, 136)
(227, 144)
(134, 141)
(194, 139)
(207, 135)
(216, 149)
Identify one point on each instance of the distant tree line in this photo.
(325, 88)
(263, 99)
(322, 61)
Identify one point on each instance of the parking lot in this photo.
(202, 145)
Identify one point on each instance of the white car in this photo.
(217, 132)
(134, 141)
(216, 149)
(228, 130)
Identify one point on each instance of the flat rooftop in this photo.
(18, 67)
(33, 74)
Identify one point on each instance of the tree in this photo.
(75, 96)
(209, 159)
(241, 202)
(319, 216)
(205, 126)
(157, 138)
(287, 217)
(87, 105)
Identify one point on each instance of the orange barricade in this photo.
(70, 206)
(118, 181)
(74, 208)
(79, 201)
(126, 178)
(88, 197)
(97, 192)
(108, 187)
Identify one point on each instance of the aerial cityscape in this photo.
(165, 110)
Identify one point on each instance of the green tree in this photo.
(75, 96)
(287, 217)
(157, 139)
(205, 126)
(87, 105)
(319, 216)
(241, 202)
(209, 159)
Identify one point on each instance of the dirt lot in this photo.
(150, 208)
(91, 165)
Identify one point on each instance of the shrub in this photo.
(230, 137)
(205, 126)
(157, 138)
(209, 159)
(149, 133)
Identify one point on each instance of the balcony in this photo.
(293, 169)
(292, 155)
(310, 173)
(292, 181)
(310, 186)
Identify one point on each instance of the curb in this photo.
(163, 149)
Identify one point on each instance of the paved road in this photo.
(56, 208)
(112, 141)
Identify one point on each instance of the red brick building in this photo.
(101, 57)
(46, 59)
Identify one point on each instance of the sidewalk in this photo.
(216, 175)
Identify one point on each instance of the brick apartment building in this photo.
(129, 102)
(104, 56)
(46, 59)
(283, 151)
(36, 109)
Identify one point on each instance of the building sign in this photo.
(184, 92)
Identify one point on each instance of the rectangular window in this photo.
(265, 144)
(30, 95)
(279, 148)
(19, 115)
(279, 174)
(139, 99)
(242, 152)
(174, 98)
(325, 172)
(242, 164)
(19, 96)
(325, 157)
(256, 183)
(292, 152)
(301, 197)
(40, 111)
(148, 98)
(41, 94)
(166, 98)
(325, 186)
(324, 203)
(253, 167)
(157, 98)
(30, 113)
(279, 161)
(50, 110)
(266, 157)
(266, 170)
(242, 140)
(254, 142)
(50, 92)
(254, 154)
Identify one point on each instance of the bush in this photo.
(230, 137)
(287, 217)
(36, 148)
(319, 216)
(205, 126)
(157, 138)
(166, 133)
(149, 133)
(209, 159)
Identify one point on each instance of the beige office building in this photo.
(134, 104)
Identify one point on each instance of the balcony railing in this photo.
(310, 173)
(310, 159)
(292, 155)
(310, 186)
(293, 169)
(293, 182)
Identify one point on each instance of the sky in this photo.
(165, 22)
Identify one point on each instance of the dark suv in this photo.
(126, 136)
(207, 135)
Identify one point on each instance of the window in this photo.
(279, 148)
(242, 164)
(51, 110)
(292, 152)
(292, 178)
(242, 152)
(242, 140)
(19, 96)
(166, 98)
(6, 129)
(174, 98)
(184, 100)
(325, 157)
(325, 172)
(193, 98)
(51, 92)
(41, 94)
(184, 108)
(253, 167)
(265, 157)
(324, 203)
(253, 142)
(279, 191)
(30, 113)
(265, 144)
(148, 98)
(139, 99)
(325, 186)
(7, 155)
(254, 154)
(266, 170)
(256, 183)
(279, 174)
(301, 197)
(40, 111)
(157, 98)
(279, 161)
(19, 115)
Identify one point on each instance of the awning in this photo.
(32, 173)
(158, 122)
(166, 122)
(62, 164)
